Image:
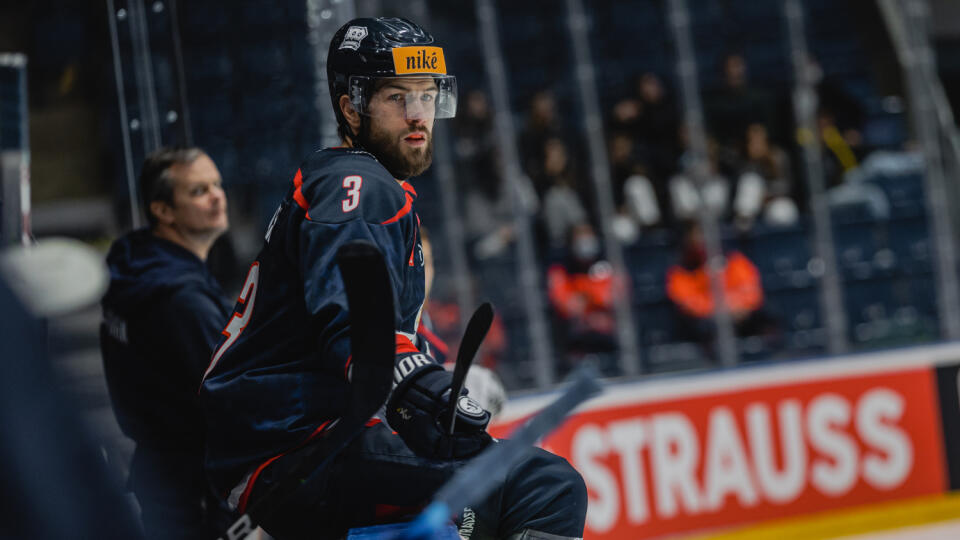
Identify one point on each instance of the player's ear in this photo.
(162, 211)
(349, 113)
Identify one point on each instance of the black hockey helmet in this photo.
(367, 49)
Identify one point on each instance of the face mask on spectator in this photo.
(586, 248)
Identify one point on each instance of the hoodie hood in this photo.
(143, 266)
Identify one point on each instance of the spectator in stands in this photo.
(765, 186)
(487, 213)
(688, 287)
(834, 100)
(487, 217)
(840, 118)
(163, 316)
(648, 118)
(733, 106)
(625, 116)
(542, 124)
(581, 290)
(643, 154)
(562, 203)
(475, 145)
(658, 126)
(839, 156)
(635, 195)
(688, 198)
(624, 161)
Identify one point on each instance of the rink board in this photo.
(890, 520)
(731, 449)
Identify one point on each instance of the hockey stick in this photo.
(370, 300)
(476, 330)
(476, 480)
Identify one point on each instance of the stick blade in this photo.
(476, 330)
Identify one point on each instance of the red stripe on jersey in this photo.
(390, 512)
(403, 211)
(433, 339)
(408, 188)
(346, 368)
(298, 193)
(404, 345)
(413, 249)
(245, 498)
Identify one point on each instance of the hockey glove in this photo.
(419, 404)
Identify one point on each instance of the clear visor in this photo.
(422, 97)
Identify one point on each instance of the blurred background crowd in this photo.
(243, 82)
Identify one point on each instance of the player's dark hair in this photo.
(156, 183)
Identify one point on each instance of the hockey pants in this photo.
(377, 479)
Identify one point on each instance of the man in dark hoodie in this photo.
(163, 314)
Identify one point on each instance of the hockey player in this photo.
(281, 374)
(163, 314)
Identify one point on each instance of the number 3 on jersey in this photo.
(352, 184)
(239, 320)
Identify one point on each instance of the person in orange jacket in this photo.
(688, 287)
(581, 291)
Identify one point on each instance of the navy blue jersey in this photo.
(281, 371)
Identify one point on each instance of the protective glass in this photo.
(372, 96)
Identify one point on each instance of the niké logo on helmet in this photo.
(412, 60)
(422, 61)
(353, 37)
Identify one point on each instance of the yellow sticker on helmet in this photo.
(410, 60)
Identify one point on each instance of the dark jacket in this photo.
(163, 314)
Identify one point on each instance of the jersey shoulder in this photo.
(341, 184)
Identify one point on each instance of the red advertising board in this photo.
(713, 460)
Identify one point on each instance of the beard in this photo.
(401, 162)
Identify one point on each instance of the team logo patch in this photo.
(353, 37)
(469, 407)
